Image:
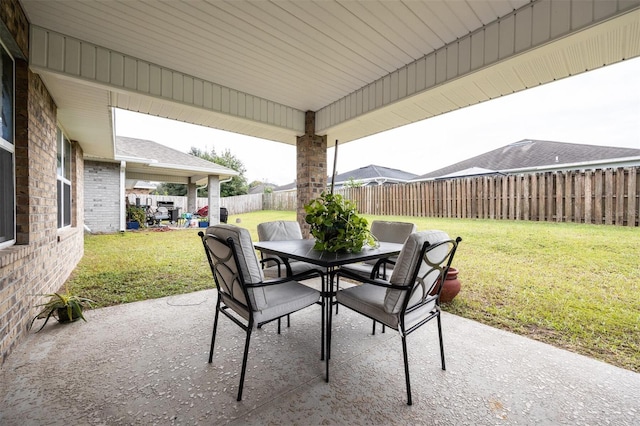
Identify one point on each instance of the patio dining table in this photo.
(328, 261)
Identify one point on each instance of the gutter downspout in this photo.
(123, 207)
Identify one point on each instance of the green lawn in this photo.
(573, 286)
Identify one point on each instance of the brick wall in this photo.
(311, 175)
(102, 199)
(43, 256)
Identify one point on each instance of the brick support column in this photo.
(214, 199)
(192, 198)
(311, 173)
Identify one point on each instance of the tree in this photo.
(177, 189)
(238, 184)
(352, 183)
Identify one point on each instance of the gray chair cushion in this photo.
(385, 305)
(267, 302)
(285, 298)
(281, 230)
(369, 299)
(388, 231)
(247, 260)
(408, 260)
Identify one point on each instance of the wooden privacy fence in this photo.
(609, 196)
(234, 205)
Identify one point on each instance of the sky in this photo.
(599, 107)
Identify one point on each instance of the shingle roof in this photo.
(530, 154)
(367, 174)
(374, 173)
(145, 151)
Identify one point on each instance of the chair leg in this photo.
(328, 350)
(441, 344)
(337, 289)
(288, 320)
(406, 369)
(244, 363)
(213, 336)
(278, 325)
(373, 332)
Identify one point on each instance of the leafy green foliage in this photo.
(137, 214)
(352, 183)
(174, 189)
(72, 304)
(238, 184)
(336, 225)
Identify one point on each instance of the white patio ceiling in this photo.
(255, 67)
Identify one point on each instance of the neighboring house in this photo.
(529, 156)
(364, 176)
(372, 175)
(262, 188)
(133, 186)
(141, 160)
(286, 188)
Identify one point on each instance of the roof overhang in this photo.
(254, 68)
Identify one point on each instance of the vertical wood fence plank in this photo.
(632, 197)
(598, 200)
(505, 198)
(550, 177)
(518, 192)
(534, 197)
(578, 201)
(568, 195)
(542, 203)
(512, 196)
(588, 197)
(559, 187)
(608, 199)
(619, 196)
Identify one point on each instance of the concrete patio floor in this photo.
(146, 363)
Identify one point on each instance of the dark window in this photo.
(7, 151)
(64, 180)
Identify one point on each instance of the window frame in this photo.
(8, 211)
(63, 179)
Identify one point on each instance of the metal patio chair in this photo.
(389, 231)
(243, 294)
(280, 230)
(403, 303)
(382, 230)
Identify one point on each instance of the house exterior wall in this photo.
(43, 256)
(102, 199)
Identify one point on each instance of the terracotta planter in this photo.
(451, 286)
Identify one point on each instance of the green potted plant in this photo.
(335, 224)
(136, 217)
(66, 307)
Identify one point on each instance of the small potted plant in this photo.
(66, 307)
(335, 224)
(136, 217)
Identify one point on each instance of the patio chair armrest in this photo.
(375, 281)
(265, 260)
(375, 272)
(297, 277)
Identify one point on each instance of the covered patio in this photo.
(305, 76)
(146, 363)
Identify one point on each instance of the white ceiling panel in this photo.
(255, 67)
